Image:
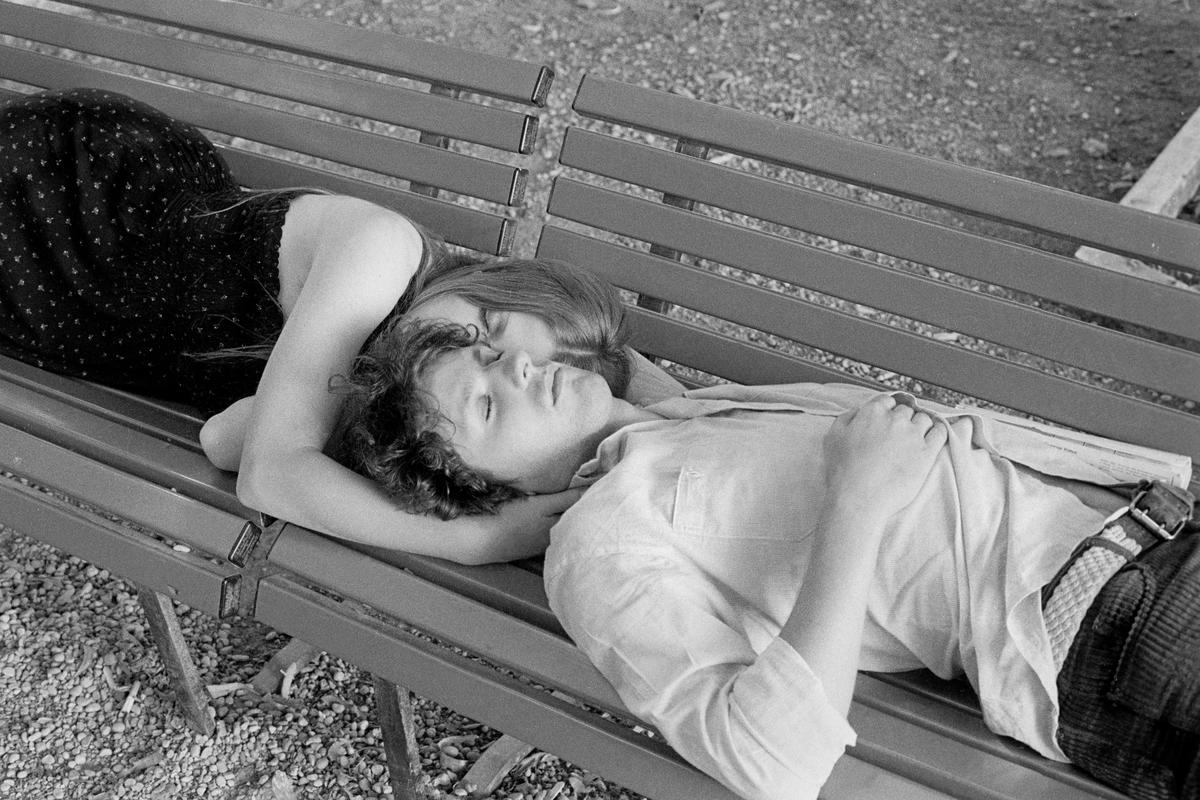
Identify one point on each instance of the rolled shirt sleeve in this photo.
(760, 723)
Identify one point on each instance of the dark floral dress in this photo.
(128, 252)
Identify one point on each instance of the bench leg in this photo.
(173, 650)
(399, 738)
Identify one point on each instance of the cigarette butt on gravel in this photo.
(130, 698)
(281, 786)
(144, 763)
(216, 690)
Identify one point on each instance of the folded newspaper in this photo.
(1119, 462)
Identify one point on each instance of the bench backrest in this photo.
(767, 252)
(300, 102)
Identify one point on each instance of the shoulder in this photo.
(346, 245)
(341, 217)
(592, 590)
(608, 535)
(629, 507)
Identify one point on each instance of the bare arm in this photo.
(224, 433)
(364, 259)
(878, 456)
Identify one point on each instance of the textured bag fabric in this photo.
(1129, 690)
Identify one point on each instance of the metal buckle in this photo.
(1172, 504)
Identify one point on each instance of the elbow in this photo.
(219, 448)
(471, 559)
(757, 755)
(475, 551)
(258, 487)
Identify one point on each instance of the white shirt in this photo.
(677, 569)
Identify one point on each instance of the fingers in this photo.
(934, 433)
(937, 435)
(922, 421)
(901, 406)
(896, 414)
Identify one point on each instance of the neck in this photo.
(621, 414)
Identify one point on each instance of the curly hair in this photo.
(390, 431)
(390, 426)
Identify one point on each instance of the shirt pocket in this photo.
(749, 479)
(689, 514)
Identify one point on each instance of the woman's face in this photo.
(503, 331)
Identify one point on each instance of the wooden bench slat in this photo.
(1050, 276)
(636, 762)
(413, 161)
(172, 514)
(853, 779)
(152, 417)
(956, 693)
(966, 725)
(467, 227)
(512, 588)
(187, 577)
(1081, 219)
(959, 756)
(495, 127)
(123, 448)
(495, 76)
(546, 656)
(700, 348)
(975, 374)
(995, 319)
(978, 769)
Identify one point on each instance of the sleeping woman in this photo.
(130, 256)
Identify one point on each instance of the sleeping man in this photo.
(740, 552)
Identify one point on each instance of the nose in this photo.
(519, 367)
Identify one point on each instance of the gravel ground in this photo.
(86, 710)
(1080, 95)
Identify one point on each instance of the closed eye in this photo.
(486, 354)
(494, 322)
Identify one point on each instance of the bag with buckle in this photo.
(1129, 689)
(1157, 512)
(1166, 631)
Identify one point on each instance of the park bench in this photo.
(753, 250)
